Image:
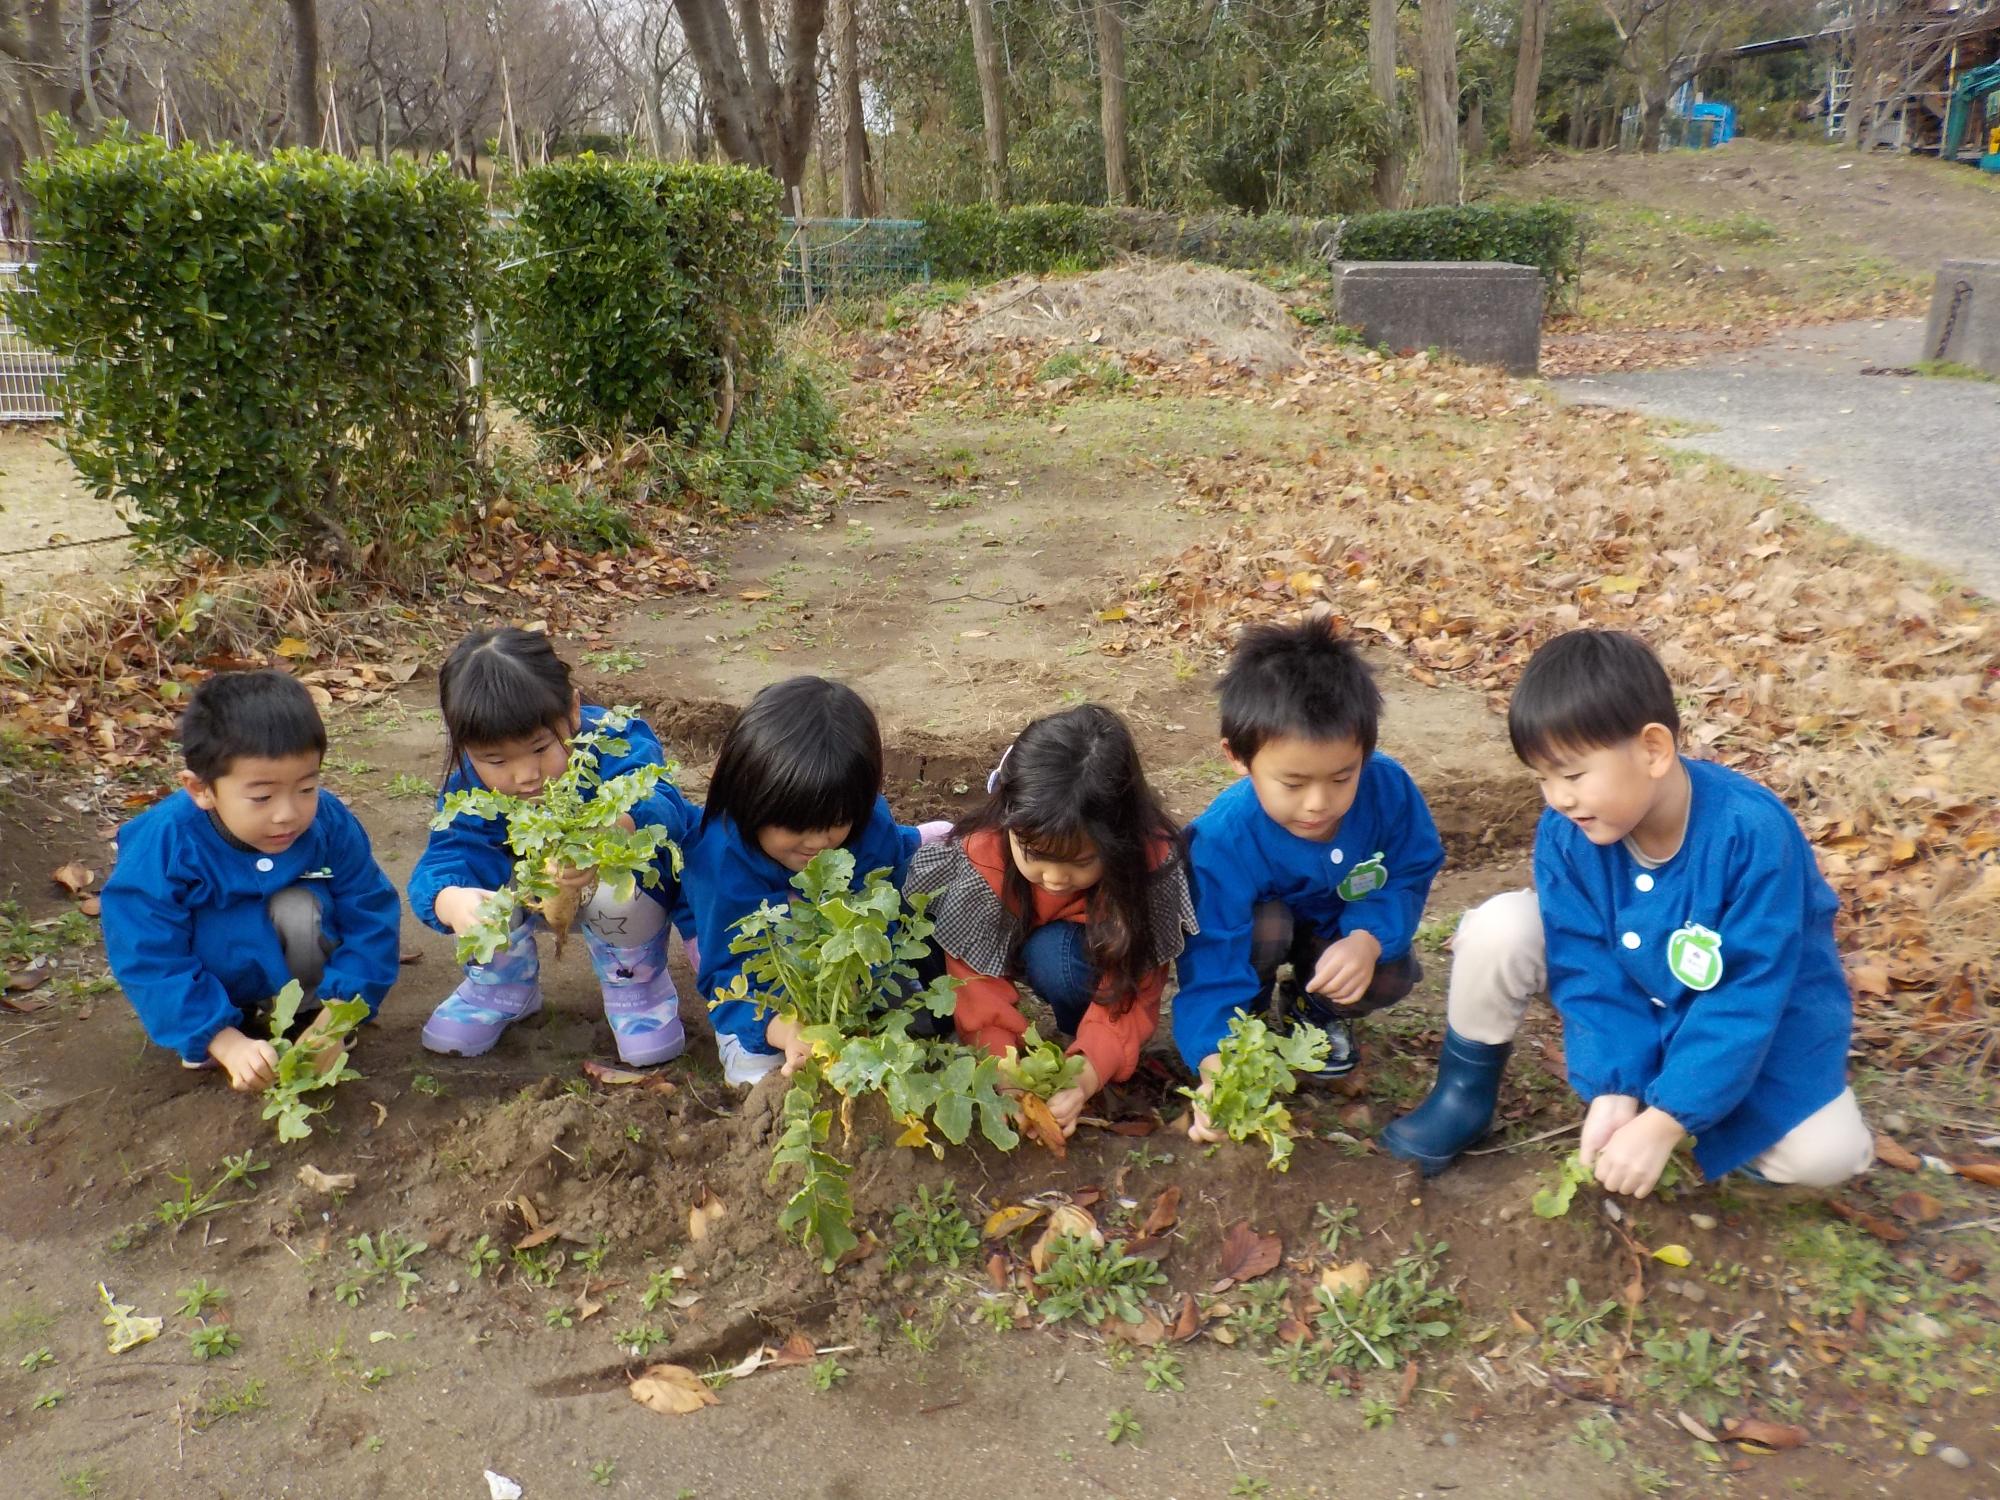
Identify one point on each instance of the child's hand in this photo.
(1199, 1130)
(252, 1065)
(1634, 1157)
(784, 1035)
(1344, 970)
(458, 906)
(1067, 1104)
(326, 1058)
(1608, 1114)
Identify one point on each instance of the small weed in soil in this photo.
(603, 1472)
(1095, 1282)
(316, 1061)
(482, 1258)
(174, 1212)
(1122, 1425)
(241, 1402)
(1694, 1372)
(827, 1373)
(385, 1256)
(37, 1359)
(661, 1287)
(88, 1480)
(1163, 1373)
(932, 1230)
(214, 1343)
(405, 784)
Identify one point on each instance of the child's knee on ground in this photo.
(1825, 1149)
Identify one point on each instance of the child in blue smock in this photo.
(1682, 930)
(510, 712)
(1321, 856)
(800, 771)
(248, 877)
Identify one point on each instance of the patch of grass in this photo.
(1951, 369)
(25, 1323)
(22, 941)
(1732, 229)
(85, 1481)
(241, 1402)
(1094, 372)
(1695, 1372)
(932, 1230)
(406, 784)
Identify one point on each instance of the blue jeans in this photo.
(1055, 962)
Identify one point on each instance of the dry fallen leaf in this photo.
(1893, 1153)
(326, 1182)
(797, 1350)
(1068, 1221)
(614, 1077)
(1695, 1429)
(1916, 1207)
(1166, 1212)
(1778, 1435)
(1987, 1172)
(1352, 1277)
(539, 1238)
(1187, 1320)
(1247, 1254)
(73, 877)
(672, 1390)
(1005, 1221)
(1673, 1255)
(1145, 1333)
(1882, 1229)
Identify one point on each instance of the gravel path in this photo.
(1910, 462)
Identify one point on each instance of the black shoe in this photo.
(1343, 1053)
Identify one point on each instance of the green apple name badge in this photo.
(1695, 956)
(1363, 878)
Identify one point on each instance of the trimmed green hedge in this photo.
(636, 297)
(267, 356)
(1548, 236)
(978, 242)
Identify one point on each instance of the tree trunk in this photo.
(992, 97)
(1382, 79)
(1437, 113)
(1111, 99)
(1652, 115)
(1527, 79)
(306, 123)
(724, 86)
(1472, 137)
(853, 127)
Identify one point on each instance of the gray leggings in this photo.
(295, 913)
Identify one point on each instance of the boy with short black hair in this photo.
(248, 877)
(1683, 932)
(1321, 856)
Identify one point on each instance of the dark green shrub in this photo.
(268, 356)
(636, 297)
(980, 242)
(1548, 236)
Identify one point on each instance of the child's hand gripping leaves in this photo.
(576, 834)
(1255, 1068)
(317, 1060)
(1036, 1073)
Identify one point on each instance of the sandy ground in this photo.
(43, 501)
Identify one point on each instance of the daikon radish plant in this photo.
(579, 822)
(1258, 1067)
(1040, 1067)
(309, 1064)
(840, 963)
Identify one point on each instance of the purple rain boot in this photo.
(640, 1001)
(488, 1000)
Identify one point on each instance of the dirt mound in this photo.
(1167, 311)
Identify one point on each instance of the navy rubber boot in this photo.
(1460, 1107)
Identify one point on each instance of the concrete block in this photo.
(1483, 312)
(1964, 325)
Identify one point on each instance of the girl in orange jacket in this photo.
(1069, 878)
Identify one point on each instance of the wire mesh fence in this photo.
(25, 371)
(833, 258)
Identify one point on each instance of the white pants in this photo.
(1499, 965)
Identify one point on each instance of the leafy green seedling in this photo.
(1257, 1067)
(314, 1062)
(827, 1373)
(199, 1298)
(573, 823)
(1040, 1067)
(1095, 1282)
(214, 1343)
(932, 1230)
(37, 1359)
(1553, 1201)
(1122, 1425)
(483, 1257)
